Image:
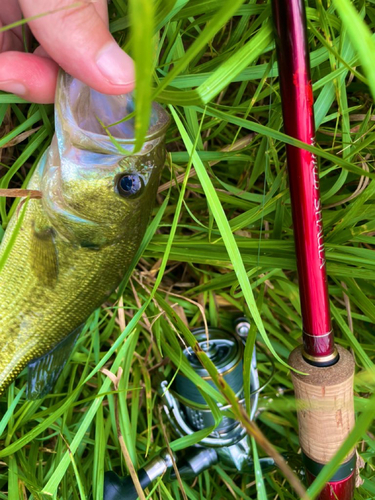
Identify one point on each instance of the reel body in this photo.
(188, 412)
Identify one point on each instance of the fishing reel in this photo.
(188, 412)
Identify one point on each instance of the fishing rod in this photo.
(324, 397)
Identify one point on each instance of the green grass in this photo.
(221, 241)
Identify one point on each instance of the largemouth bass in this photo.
(76, 242)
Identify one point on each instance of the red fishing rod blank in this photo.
(324, 397)
(298, 112)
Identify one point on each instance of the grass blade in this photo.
(142, 31)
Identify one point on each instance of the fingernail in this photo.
(13, 87)
(115, 65)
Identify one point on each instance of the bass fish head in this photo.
(95, 192)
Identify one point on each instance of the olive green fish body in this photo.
(74, 244)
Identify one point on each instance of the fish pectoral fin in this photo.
(43, 372)
(43, 260)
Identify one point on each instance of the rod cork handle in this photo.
(325, 410)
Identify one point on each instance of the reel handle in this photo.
(122, 488)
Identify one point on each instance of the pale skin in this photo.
(76, 39)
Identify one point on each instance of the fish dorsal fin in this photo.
(44, 261)
(43, 372)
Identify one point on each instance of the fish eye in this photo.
(129, 184)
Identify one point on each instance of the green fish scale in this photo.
(38, 317)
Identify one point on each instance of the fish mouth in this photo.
(83, 151)
(85, 111)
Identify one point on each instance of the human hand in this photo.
(77, 39)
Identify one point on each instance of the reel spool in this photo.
(184, 404)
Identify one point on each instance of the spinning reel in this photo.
(188, 412)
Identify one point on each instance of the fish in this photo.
(77, 240)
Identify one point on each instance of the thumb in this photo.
(78, 40)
